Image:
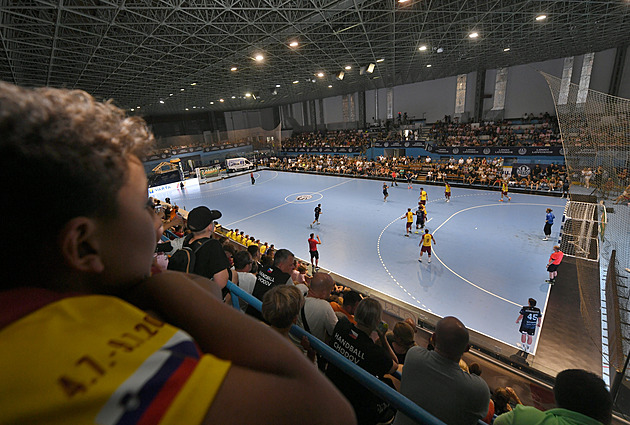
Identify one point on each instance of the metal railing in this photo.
(369, 381)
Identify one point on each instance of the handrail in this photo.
(397, 400)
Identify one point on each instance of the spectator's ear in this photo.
(79, 246)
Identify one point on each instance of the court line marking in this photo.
(281, 205)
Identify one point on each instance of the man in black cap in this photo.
(210, 259)
(278, 274)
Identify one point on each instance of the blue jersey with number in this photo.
(530, 316)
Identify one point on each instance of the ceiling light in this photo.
(278, 86)
(439, 50)
(132, 109)
(330, 86)
(403, 1)
(380, 60)
(320, 74)
(187, 109)
(221, 100)
(422, 48)
(473, 35)
(259, 58)
(293, 44)
(429, 66)
(212, 103)
(370, 68)
(161, 101)
(541, 17)
(340, 75)
(248, 95)
(171, 94)
(507, 49)
(193, 84)
(347, 67)
(233, 97)
(137, 107)
(234, 69)
(182, 89)
(295, 82)
(194, 107)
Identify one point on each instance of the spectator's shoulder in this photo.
(520, 415)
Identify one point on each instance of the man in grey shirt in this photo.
(434, 381)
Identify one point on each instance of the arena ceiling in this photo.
(180, 52)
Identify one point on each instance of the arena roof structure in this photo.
(165, 56)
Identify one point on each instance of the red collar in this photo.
(20, 302)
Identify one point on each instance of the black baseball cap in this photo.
(201, 217)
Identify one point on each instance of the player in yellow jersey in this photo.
(423, 196)
(409, 216)
(425, 243)
(504, 191)
(447, 191)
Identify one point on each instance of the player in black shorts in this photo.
(385, 193)
(318, 211)
(530, 318)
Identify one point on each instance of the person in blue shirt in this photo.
(548, 223)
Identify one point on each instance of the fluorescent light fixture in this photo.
(320, 74)
(248, 95)
(182, 89)
(132, 109)
(507, 49)
(278, 86)
(171, 94)
(259, 58)
(381, 60)
(161, 101)
(212, 103)
(347, 68)
(193, 84)
(233, 97)
(221, 100)
(340, 75)
(330, 86)
(473, 35)
(233, 69)
(137, 107)
(187, 109)
(439, 50)
(403, 1)
(541, 17)
(422, 48)
(428, 65)
(296, 82)
(294, 44)
(370, 68)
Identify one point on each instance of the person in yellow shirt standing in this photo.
(425, 243)
(423, 196)
(409, 216)
(504, 191)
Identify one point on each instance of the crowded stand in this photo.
(97, 330)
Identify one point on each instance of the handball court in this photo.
(489, 256)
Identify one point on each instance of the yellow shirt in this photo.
(447, 189)
(504, 187)
(409, 217)
(426, 239)
(263, 248)
(423, 195)
(97, 360)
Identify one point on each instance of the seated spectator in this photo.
(354, 343)
(246, 279)
(434, 380)
(581, 398)
(504, 399)
(79, 345)
(401, 339)
(345, 310)
(281, 306)
(268, 277)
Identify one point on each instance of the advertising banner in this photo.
(497, 150)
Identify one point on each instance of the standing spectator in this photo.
(278, 274)
(554, 261)
(434, 381)
(355, 344)
(312, 249)
(548, 223)
(581, 398)
(529, 317)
